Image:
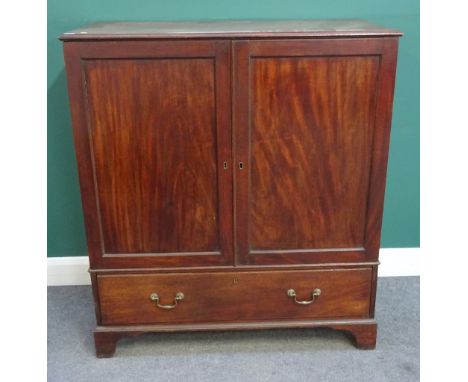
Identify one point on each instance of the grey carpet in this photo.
(274, 355)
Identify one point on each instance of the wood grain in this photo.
(234, 297)
(154, 142)
(311, 139)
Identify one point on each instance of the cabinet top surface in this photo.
(228, 29)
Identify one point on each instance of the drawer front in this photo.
(234, 296)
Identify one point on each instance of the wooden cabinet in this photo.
(232, 173)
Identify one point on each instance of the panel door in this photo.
(312, 122)
(152, 133)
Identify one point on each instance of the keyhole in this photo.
(241, 165)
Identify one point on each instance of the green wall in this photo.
(401, 216)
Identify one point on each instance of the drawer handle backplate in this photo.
(178, 297)
(292, 293)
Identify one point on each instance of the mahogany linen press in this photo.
(232, 173)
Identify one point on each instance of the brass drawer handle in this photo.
(292, 293)
(178, 297)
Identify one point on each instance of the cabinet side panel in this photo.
(380, 147)
(82, 151)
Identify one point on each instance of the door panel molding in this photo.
(78, 57)
(373, 55)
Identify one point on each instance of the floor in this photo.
(274, 355)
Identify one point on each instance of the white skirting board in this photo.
(74, 270)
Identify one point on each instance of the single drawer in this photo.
(234, 296)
